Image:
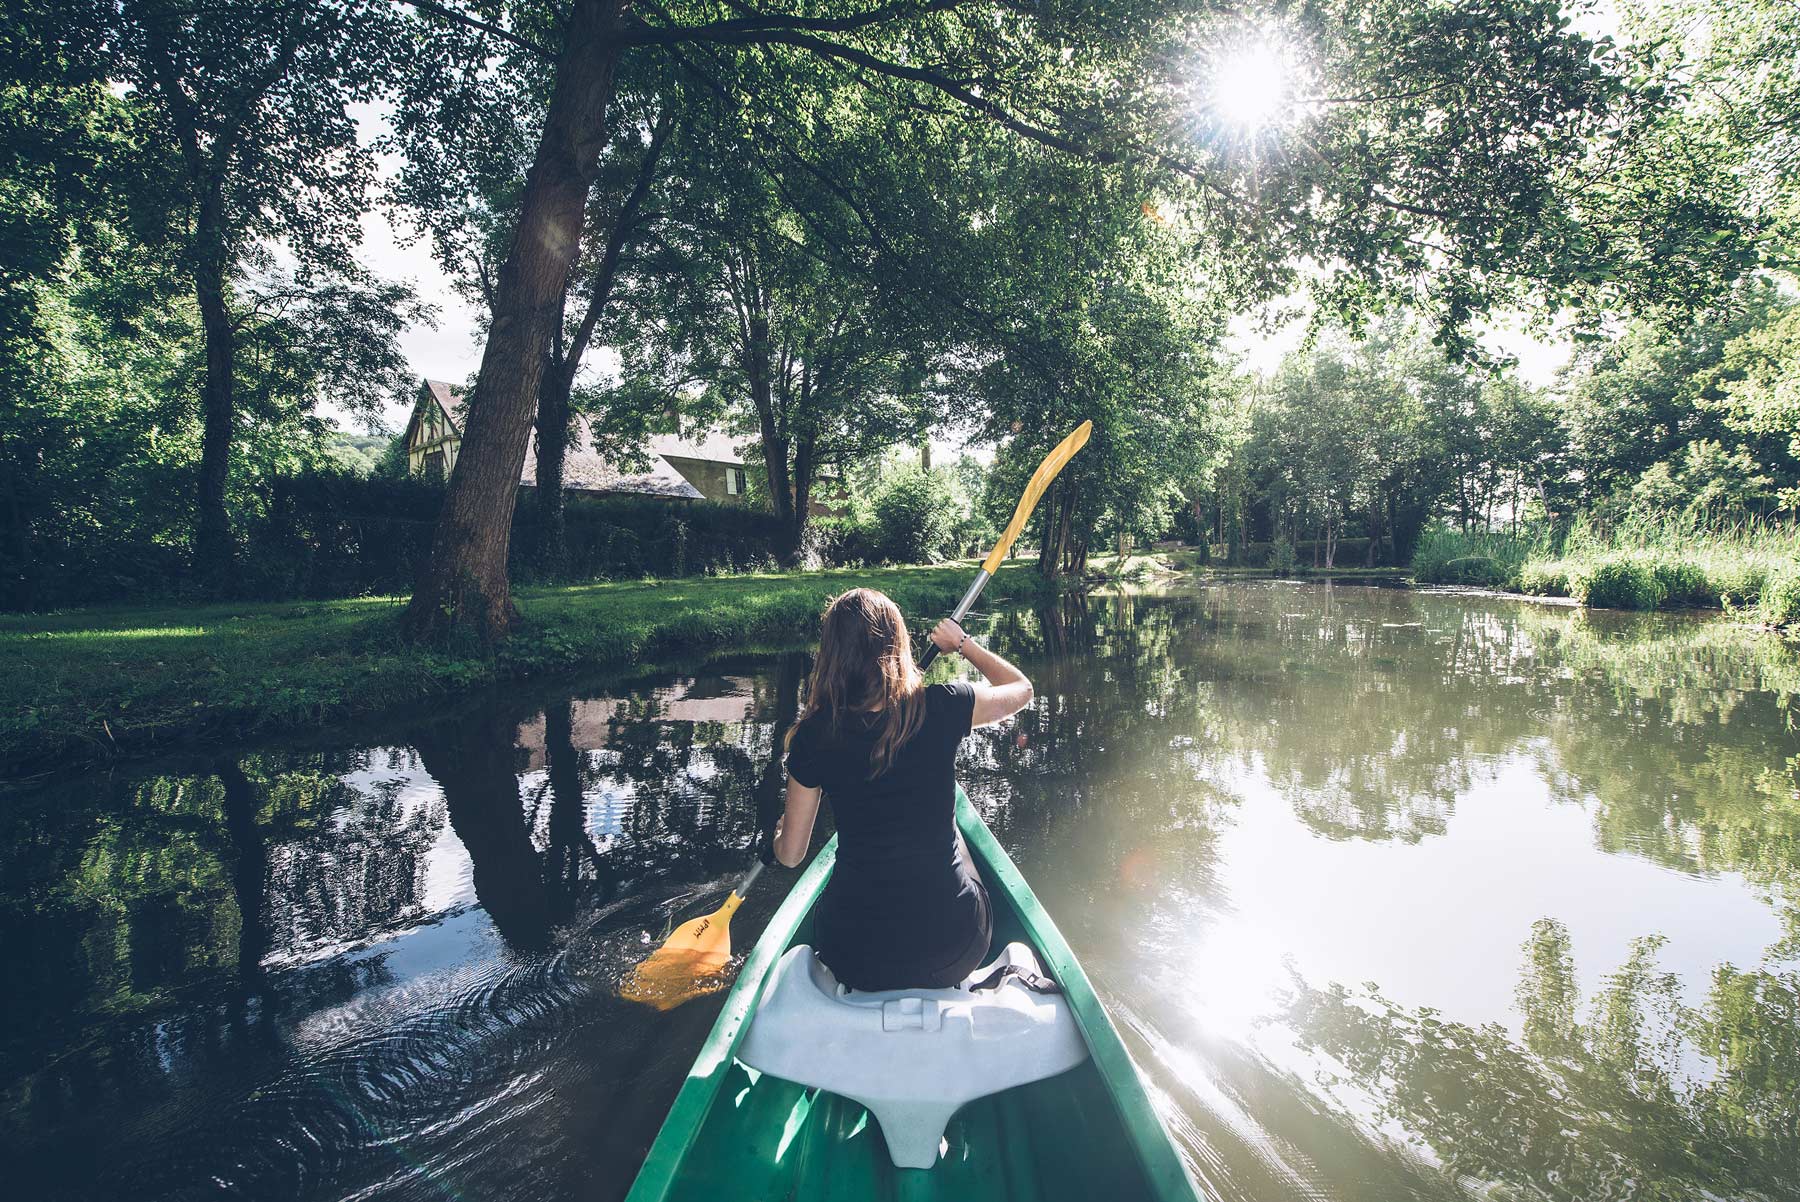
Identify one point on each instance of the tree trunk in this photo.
(552, 449)
(250, 872)
(18, 564)
(1054, 533)
(775, 442)
(804, 470)
(212, 535)
(564, 364)
(463, 585)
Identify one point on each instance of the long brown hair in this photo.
(865, 667)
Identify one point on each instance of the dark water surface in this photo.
(1393, 895)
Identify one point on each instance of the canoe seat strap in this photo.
(1024, 976)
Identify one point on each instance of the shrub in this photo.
(915, 516)
(1780, 601)
(1615, 582)
(1544, 579)
(1739, 582)
(1473, 569)
(835, 541)
(1281, 556)
(1682, 582)
(1439, 547)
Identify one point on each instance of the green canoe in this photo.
(735, 1136)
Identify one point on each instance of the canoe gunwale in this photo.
(1169, 1179)
(714, 1060)
(1149, 1139)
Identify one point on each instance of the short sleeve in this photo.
(803, 756)
(955, 708)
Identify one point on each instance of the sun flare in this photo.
(1249, 88)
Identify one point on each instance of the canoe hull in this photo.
(1090, 1132)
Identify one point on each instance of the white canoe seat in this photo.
(913, 1057)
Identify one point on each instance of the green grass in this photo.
(1639, 563)
(1445, 556)
(94, 683)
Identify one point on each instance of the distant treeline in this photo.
(1361, 446)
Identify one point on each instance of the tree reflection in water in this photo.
(1594, 1102)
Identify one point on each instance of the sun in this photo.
(1249, 89)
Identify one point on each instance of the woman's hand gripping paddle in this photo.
(696, 950)
(1034, 489)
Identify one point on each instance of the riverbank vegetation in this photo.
(104, 682)
(1638, 563)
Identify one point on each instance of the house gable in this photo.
(434, 432)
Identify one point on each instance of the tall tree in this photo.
(746, 311)
(253, 100)
(464, 122)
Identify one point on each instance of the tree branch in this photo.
(505, 35)
(751, 27)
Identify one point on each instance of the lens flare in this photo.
(1250, 88)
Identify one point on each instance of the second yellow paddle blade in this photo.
(680, 969)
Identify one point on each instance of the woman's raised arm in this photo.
(1006, 691)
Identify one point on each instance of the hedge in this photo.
(334, 534)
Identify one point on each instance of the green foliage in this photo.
(915, 516)
(1682, 583)
(1482, 559)
(1282, 558)
(1779, 602)
(1482, 570)
(1686, 563)
(331, 532)
(1686, 415)
(1616, 582)
(1542, 579)
(1371, 438)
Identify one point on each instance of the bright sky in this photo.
(1538, 359)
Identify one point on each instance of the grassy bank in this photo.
(1644, 564)
(96, 683)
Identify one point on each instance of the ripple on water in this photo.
(434, 1078)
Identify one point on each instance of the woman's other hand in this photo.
(947, 636)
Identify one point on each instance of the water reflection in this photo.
(1299, 834)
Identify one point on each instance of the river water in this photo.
(1393, 895)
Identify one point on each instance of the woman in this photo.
(905, 906)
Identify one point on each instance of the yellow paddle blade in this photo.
(1040, 480)
(678, 970)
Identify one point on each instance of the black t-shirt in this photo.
(904, 900)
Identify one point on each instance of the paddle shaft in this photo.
(958, 614)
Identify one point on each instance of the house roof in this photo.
(710, 445)
(584, 468)
(450, 399)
